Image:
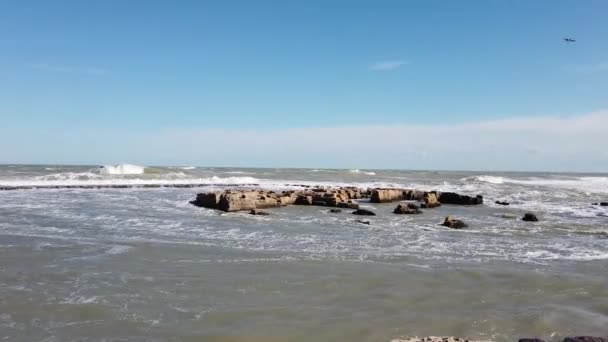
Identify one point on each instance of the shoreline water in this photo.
(143, 264)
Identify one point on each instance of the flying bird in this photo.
(569, 40)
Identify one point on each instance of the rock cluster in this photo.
(342, 197)
(407, 209)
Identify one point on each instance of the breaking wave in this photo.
(122, 169)
(369, 173)
(588, 184)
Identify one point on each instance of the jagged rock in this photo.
(453, 223)
(431, 200)
(364, 212)
(258, 212)
(502, 203)
(343, 197)
(529, 217)
(387, 195)
(363, 222)
(454, 198)
(585, 339)
(407, 209)
(207, 200)
(303, 200)
(335, 210)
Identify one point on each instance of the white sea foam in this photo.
(369, 173)
(122, 169)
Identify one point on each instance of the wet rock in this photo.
(502, 203)
(258, 212)
(364, 212)
(387, 195)
(454, 198)
(431, 200)
(530, 217)
(303, 200)
(335, 211)
(585, 339)
(601, 204)
(434, 339)
(453, 223)
(362, 222)
(407, 209)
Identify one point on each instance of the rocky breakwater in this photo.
(428, 199)
(341, 197)
(238, 200)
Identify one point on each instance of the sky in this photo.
(473, 85)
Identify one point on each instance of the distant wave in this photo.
(586, 184)
(122, 169)
(485, 179)
(369, 173)
(188, 167)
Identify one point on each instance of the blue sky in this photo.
(130, 81)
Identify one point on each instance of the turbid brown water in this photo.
(144, 265)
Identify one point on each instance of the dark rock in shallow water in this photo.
(364, 212)
(407, 209)
(258, 212)
(335, 210)
(453, 223)
(601, 204)
(529, 217)
(585, 339)
(362, 222)
(454, 198)
(502, 203)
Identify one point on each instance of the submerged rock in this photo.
(585, 339)
(453, 223)
(434, 339)
(258, 212)
(502, 203)
(335, 210)
(407, 209)
(601, 204)
(454, 198)
(362, 222)
(364, 212)
(509, 216)
(530, 217)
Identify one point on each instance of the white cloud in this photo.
(388, 65)
(590, 68)
(69, 69)
(551, 143)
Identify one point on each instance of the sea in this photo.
(117, 253)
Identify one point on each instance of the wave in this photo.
(92, 179)
(122, 169)
(585, 184)
(485, 179)
(369, 173)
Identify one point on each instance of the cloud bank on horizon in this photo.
(551, 143)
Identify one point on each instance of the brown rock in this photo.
(453, 223)
(407, 209)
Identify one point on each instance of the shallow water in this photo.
(144, 265)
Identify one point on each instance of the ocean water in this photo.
(142, 264)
